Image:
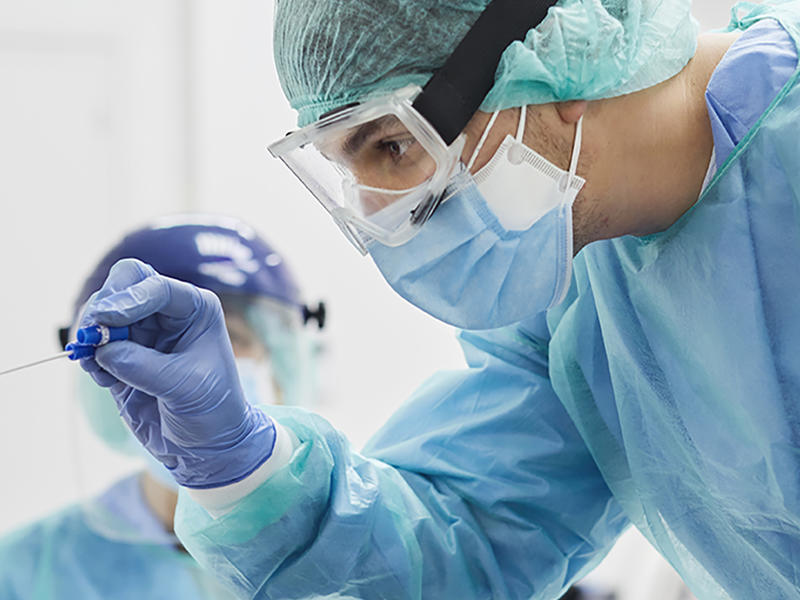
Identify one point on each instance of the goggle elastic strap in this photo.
(452, 96)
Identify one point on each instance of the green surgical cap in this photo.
(330, 53)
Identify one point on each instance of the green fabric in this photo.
(333, 52)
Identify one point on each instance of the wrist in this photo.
(220, 500)
(211, 468)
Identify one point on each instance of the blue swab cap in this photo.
(92, 337)
(79, 351)
(100, 335)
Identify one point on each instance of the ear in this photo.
(571, 112)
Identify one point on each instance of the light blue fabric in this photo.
(330, 53)
(675, 356)
(62, 558)
(479, 487)
(466, 269)
(734, 108)
(175, 381)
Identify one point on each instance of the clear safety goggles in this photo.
(379, 168)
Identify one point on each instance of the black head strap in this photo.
(454, 93)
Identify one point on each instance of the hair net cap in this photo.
(334, 52)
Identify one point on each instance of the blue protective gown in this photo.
(665, 391)
(63, 558)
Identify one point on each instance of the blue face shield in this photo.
(499, 249)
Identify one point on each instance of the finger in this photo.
(155, 294)
(127, 272)
(123, 274)
(139, 411)
(100, 377)
(138, 366)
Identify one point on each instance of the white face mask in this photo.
(521, 186)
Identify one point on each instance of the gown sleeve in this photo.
(478, 487)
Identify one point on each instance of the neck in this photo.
(161, 500)
(651, 152)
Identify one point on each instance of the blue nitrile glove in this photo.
(175, 382)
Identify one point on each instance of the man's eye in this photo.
(397, 148)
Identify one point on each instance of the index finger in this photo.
(155, 294)
(124, 273)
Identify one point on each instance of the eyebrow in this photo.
(358, 138)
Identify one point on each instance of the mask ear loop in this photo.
(523, 111)
(576, 154)
(566, 275)
(482, 141)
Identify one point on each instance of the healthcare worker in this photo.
(650, 380)
(121, 544)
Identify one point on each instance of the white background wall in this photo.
(114, 112)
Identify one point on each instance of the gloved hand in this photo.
(175, 382)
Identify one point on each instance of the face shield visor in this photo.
(381, 167)
(269, 336)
